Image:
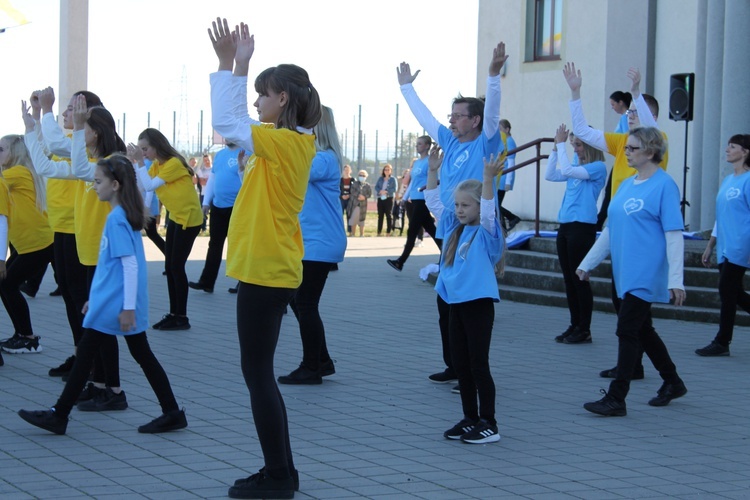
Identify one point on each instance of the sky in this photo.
(155, 56)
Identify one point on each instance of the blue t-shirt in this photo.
(472, 275)
(419, 171)
(322, 232)
(733, 220)
(639, 215)
(507, 180)
(462, 161)
(579, 202)
(227, 182)
(622, 125)
(106, 296)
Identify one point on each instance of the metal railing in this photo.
(536, 159)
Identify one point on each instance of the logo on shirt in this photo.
(463, 250)
(461, 159)
(104, 243)
(575, 183)
(733, 193)
(632, 206)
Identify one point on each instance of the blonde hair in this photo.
(18, 155)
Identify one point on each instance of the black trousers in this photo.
(504, 212)
(178, 246)
(385, 208)
(635, 334)
(732, 294)
(305, 306)
(106, 364)
(219, 229)
(260, 310)
(601, 218)
(153, 234)
(90, 344)
(72, 281)
(419, 218)
(19, 268)
(574, 240)
(470, 327)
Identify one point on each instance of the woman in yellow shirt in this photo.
(171, 179)
(23, 223)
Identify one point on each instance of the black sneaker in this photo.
(2, 361)
(301, 376)
(64, 368)
(89, 392)
(668, 392)
(459, 429)
(578, 337)
(443, 377)
(567, 333)
(105, 401)
(197, 285)
(483, 432)
(6, 341)
(295, 478)
(45, 419)
(164, 319)
(56, 292)
(513, 222)
(176, 323)
(713, 349)
(607, 406)
(612, 373)
(172, 421)
(22, 345)
(395, 264)
(261, 485)
(28, 289)
(327, 369)
(232, 290)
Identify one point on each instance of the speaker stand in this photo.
(684, 203)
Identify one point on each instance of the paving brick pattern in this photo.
(374, 429)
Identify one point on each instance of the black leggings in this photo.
(106, 364)
(470, 327)
(71, 279)
(178, 246)
(260, 310)
(305, 307)
(153, 234)
(419, 218)
(219, 228)
(732, 294)
(139, 348)
(574, 240)
(19, 268)
(384, 210)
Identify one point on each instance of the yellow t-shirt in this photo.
(620, 169)
(265, 240)
(28, 228)
(90, 216)
(61, 202)
(178, 194)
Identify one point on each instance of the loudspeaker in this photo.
(681, 93)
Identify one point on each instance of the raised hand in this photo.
(435, 159)
(36, 106)
(635, 75)
(224, 42)
(28, 120)
(573, 78)
(47, 99)
(562, 134)
(493, 167)
(241, 160)
(498, 59)
(245, 49)
(404, 74)
(134, 153)
(80, 112)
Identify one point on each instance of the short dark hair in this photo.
(620, 96)
(653, 104)
(475, 107)
(743, 141)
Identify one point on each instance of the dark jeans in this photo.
(90, 344)
(219, 228)
(178, 245)
(260, 310)
(19, 268)
(635, 333)
(345, 212)
(574, 240)
(384, 210)
(602, 217)
(732, 294)
(419, 218)
(71, 281)
(470, 328)
(153, 234)
(305, 307)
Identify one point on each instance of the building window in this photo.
(547, 29)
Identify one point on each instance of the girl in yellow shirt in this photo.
(171, 179)
(24, 224)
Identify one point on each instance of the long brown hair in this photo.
(164, 150)
(118, 168)
(303, 108)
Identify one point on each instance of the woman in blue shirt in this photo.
(577, 232)
(385, 188)
(732, 233)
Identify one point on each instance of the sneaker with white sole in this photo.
(22, 345)
(461, 428)
(482, 433)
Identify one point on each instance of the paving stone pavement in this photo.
(374, 429)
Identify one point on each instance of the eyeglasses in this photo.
(633, 112)
(630, 149)
(456, 116)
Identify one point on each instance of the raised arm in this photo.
(645, 117)
(487, 203)
(57, 142)
(432, 192)
(492, 98)
(423, 115)
(592, 137)
(79, 158)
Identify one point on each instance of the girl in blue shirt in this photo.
(467, 283)
(577, 232)
(732, 233)
(118, 302)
